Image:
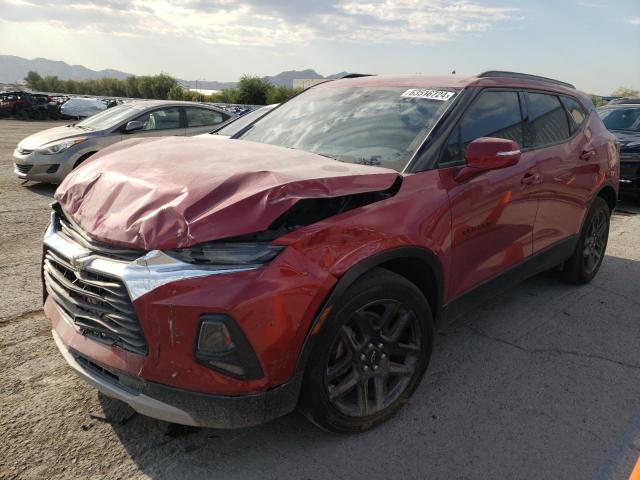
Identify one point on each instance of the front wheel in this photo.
(371, 355)
(585, 262)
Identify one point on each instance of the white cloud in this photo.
(591, 5)
(268, 22)
(634, 21)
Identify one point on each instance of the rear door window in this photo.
(547, 120)
(577, 114)
(492, 114)
(203, 117)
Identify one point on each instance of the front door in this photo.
(492, 213)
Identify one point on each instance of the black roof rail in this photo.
(357, 75)
(525, 76)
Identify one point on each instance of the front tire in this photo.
(585, 262)
(371, 355)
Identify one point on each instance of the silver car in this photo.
(48, 156)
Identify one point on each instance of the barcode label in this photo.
(441, 95)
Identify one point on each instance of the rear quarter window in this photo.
(201, 117)
(577, 114)
(547, 120)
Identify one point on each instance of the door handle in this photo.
(587, 154)
(531, 178)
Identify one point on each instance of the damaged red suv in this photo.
(306, 261)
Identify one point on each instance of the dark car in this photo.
(625, 101)
(623, 120)
(307, 261)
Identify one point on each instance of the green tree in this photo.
(625, 92)
(253, 90)
(176, 93)
(33, 80)
(281, 94)
(597, 100)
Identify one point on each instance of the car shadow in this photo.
(44, 189)
(518, 374)
(628, 204)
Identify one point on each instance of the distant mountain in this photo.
(286, 78)
(13, 70)
(336, 75)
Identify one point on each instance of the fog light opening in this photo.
(214, 338)
(222, 346)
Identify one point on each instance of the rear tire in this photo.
(584, 263)
(370, 356)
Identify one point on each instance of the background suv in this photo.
(49, 155)
(623, 119)
(221, 282)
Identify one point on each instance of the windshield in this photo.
(625, 119)
(367, 125)
(237, 125)
(109, 118)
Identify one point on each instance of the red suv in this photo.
(307, 260)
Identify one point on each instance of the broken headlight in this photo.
(254, 253)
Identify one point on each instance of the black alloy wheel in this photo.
(373, 358)
(596, 241)
(369, 356)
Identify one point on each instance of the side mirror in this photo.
(133, 125)
(488, 153)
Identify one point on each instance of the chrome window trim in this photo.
(140, 276)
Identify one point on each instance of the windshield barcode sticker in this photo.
(441, 95)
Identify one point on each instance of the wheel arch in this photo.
(609, 195)
(82, 158)
(418, 265)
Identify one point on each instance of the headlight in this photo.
(227, 253)
(58, 147)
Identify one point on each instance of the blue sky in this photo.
(593, 44)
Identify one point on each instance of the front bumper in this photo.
(180, 406)
(272, 305)
(43, 168)
(630, 175)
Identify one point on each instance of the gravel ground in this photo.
(540, 382)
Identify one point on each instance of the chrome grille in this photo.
(72, 231)
(97, 303)
(23, 168)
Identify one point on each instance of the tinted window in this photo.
(577, 114)
(162, 119)
(547, 120)
(202, 117)
(493, 114)
(621, 118)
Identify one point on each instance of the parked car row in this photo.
(303, 257)
(50, 155)
(39, 106)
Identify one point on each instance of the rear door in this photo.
(493, 212)
(160, 122)
(556, 141)
(203, 120)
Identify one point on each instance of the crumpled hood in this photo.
(50, 135)
(175, 192)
